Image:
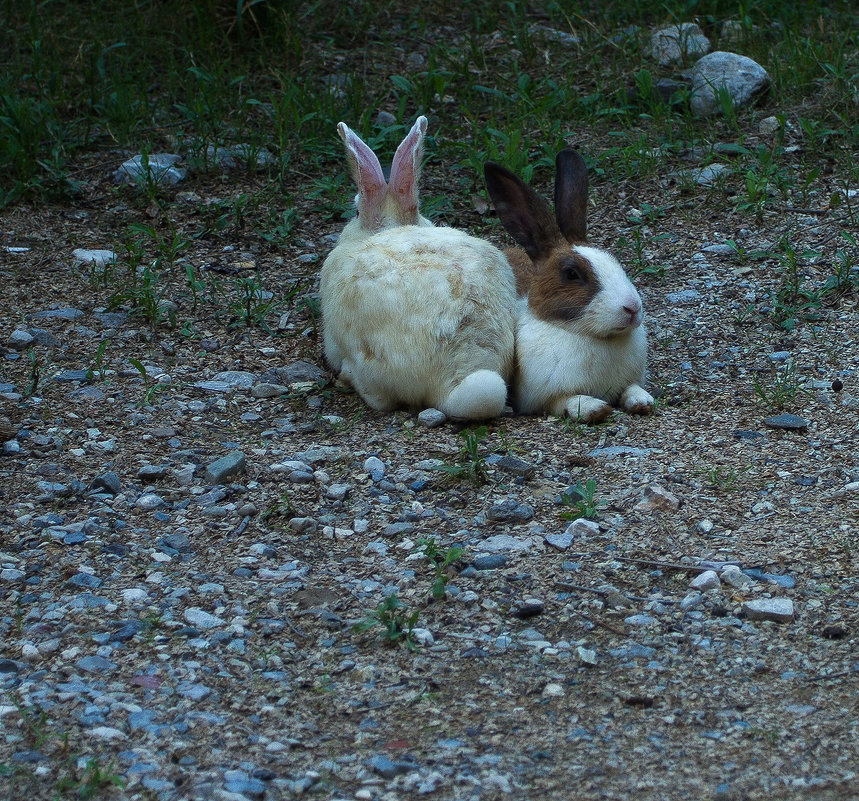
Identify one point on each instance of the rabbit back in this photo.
(410, 312)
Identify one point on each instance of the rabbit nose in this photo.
(632, 308)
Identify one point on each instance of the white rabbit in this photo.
(414, 315)
(581, 346)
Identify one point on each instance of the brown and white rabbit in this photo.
(581, 346)
(414, 315)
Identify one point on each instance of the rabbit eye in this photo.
(571, 273)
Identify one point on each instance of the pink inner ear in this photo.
(405, 168)
(364, 167)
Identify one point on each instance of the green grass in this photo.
(84, 81)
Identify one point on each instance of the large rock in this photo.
(743, 79)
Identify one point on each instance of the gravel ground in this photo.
(183, 558)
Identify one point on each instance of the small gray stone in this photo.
(707, 176)
(296, 372)
(733, 576)
(86, 395)
(377, 547)
(789, 422)
(44, 337)
(152, 472)
(196, 692)
(719, 249)
(530, 607)
(246, 786)
(201, 619)
(518, 467)
(301, 477)
(431, 418)
(489, 562)
(238, 379)
(510, 511)
(267, 390)
(86, 600)
(708, 580)
(322, 453)
(20, 340)
(398, 530)
(384, 119)
(221, 469)
(96, 258)
(388, 769)
(583, 528)
(337, 492)
(86, 580)
(671, 44)
(373, 464)
(149, 502)
(639, 620)
(504, 543)
(95, 664)
(560, 541)
(303, 525)
(65, 313)
(178, 541)
(684, 297)
(618, 450)
(108, 481)
(159, 168)
(12, 574)
(777, 609)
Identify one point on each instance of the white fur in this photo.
(420, 316)
(584, 366)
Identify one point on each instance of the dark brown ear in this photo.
(526, 216)
(571, 195)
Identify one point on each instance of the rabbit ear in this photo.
(364, 167)
(526, 216)
(571, 195)
(406, 168)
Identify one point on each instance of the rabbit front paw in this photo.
(585, 409)
(636, 400)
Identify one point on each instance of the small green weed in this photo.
(472, 464)
(586, 506)
(150, 387)
(723, 478)
(282, 507)
(794, 300)
(781, 391)
(93, 779)
(396, 621)
(846, 276)
(36, 366)
(440, 561)
(98, 367)
(251, 305)
(144, 286)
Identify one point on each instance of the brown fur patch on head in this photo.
(562, 287)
